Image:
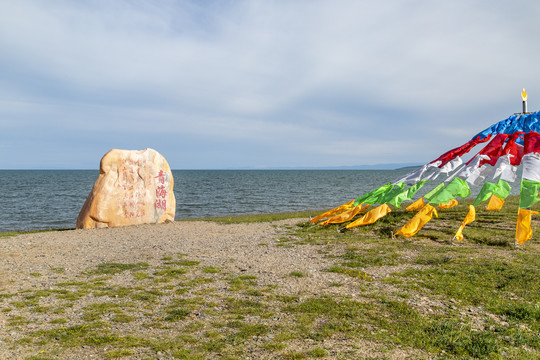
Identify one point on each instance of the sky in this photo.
(259, 84)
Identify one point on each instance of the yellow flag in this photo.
(469, 218)
(346, 215)
(495, 203)
(418, 221)
(371, 216)
(449, 204)
(417, 205)
(523, 227)
(332, 212)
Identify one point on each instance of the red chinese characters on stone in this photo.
(161, 192)
(132, 200)
(160, 204)
(161, 177)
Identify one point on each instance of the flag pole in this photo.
(524, 104)
(524, 111)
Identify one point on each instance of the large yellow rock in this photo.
(133, 187)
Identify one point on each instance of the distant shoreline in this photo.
(323, 168)
(226, 219)
(57, 196)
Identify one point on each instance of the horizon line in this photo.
(249, 168)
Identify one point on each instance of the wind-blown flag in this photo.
(503, 146)
(406, 194)
(456, 187)
(495, 203)
(420, 203)
(500, 190)
(417, 205)
(452, 203)
(530, 185)
(347, 215)
(371, 216)
(523, 227)
(333, 212)
(469, 218)
(418, 221)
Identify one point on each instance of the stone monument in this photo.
(133, 187)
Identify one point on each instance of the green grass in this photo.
(211, 270)
(483, 273)
(351, 272)
(421, 298)
(257, 218)
(115, 268)
(298, 274)
(9, 234)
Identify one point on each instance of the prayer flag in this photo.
(371, 216)
(405, 194)
(469, 218)
(418, 221)
(495, 203)
(456, 187)
(333, 212)
(417, 205)
(346, 215)
(449, 204)
(523, 229)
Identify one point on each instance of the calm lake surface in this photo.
(52, 199)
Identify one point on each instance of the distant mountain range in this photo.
(397, 166)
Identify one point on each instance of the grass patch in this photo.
(298, 274)
(424, 296)
(171, 272)
(257, 218)
(351, 272)
(176, 314)
(115, 354)
(211, 270)
(115, 268)
(9, 234)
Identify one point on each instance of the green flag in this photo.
(456, 187)
(529, 193)
(485, 193)
(434, 192)
(406, 194)
(373, 194)
(389, 195)
(503, 189)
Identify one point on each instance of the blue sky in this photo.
(235, 84)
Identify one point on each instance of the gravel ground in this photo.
(236, 248)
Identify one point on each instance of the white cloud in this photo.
(304, 72)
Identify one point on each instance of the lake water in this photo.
(52, 199)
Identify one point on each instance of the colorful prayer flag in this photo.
(523, 228)
(495, 203)
(452, 203)
(346, 215)
(417, 205)
(503, 147)
(371, 216)
(418, 221)
(333, 212)
(469, 218)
